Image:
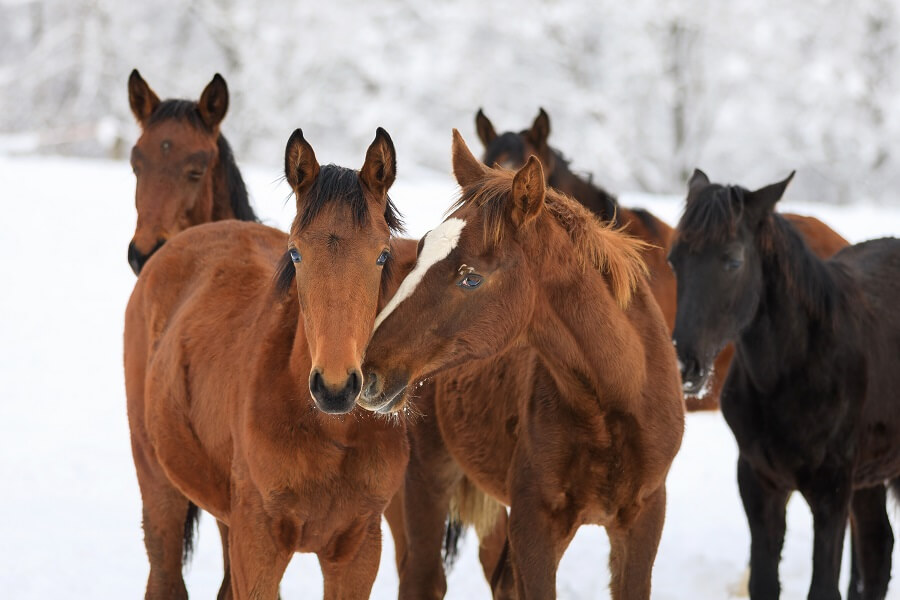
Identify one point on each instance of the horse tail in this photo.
(190, 529)
(468, 506)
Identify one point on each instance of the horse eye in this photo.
(470, 281)
(195, 175)
(383, 257)
(295, 255)
(732, 264)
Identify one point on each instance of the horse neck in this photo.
(796, 309)
(595, 199)
(590, 345)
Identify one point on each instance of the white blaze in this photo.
(438, 244)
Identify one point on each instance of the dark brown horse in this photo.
(812, 393)
(511, 149)
(238, 390)
(186, 173)
(555, 384)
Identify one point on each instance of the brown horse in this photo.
(220, 366)
(556, 388)
(511, 149)
(186, 173)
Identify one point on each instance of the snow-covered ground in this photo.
(69, 503)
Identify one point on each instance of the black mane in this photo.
(237, 191)
(186, 110)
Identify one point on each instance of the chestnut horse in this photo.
(811, 396)
(510, 150)
(186, 173)
(220, 366)
(556, 386)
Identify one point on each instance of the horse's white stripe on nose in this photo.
(438, 244)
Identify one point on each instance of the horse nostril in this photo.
(354, 383)
(372, 387)
(316, 384)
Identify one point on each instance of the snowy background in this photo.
(638, 93)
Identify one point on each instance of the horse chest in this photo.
(791, 432)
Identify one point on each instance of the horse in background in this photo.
(230, 379)
(811, 395)
(511, 150)
(555, 385)
(186, 173)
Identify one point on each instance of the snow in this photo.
(70, 506)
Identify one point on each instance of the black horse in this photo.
(812, 393)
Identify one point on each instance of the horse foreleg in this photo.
(538, 536)
(633, 548)
(351, 562)
(430, 479)
(829, 500)
(260, 548)
(393, 514)
(225, 588)
(765, 509)
(873, 542)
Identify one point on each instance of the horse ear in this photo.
(142, 99)
(528, 191)
(540, 129)
(300, 165)
(698, 179)
(214, 102)
(764, 199)
(380, 168)
(466, 168)
(485, 128)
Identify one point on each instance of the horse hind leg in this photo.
(872, 542)
(633, 550)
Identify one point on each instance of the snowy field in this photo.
(69, 506)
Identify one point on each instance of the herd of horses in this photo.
(514, 369)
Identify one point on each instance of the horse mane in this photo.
(714, 217)
(186, 110)
(598, 245)
(342, 185)
(237, 190)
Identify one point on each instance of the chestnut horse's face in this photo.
(718, 269)
(469, 296)
(338, 252)
(510, 150)
(174, 161)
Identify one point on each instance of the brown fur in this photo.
(641, 224)
(546, 392)
(217, 364)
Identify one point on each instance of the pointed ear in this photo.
(300, 165)
(698, 179)
(540, 129)
(485, 128)
(764, 199)
(213, 102)
(142, 99)
(528, 191)
(380, 168)
(466, 168)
